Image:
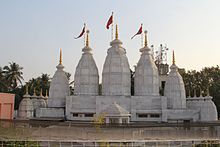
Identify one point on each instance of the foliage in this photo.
(98, 121)
(40, 83)
(208, 143)
(3, 83)
(21, 144)
(203, 82)
(10, 77)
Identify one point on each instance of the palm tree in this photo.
(45, 82)
(41, 82)
(13, 75)
(33, 84)
(45, 78)
(3, 83)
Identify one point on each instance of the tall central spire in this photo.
(116, 32)
(116, 70)
(60, 62)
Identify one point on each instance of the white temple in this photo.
(115, 103)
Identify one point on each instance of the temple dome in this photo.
(42, 100)
(205, 105)
(146, 80)
(59, 87)
(38, 101)
(174, 89)
(86, 78)
(116, 71)
(26, 108)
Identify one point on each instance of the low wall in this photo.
(51, 130)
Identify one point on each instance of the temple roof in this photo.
(86, 78)
(59, 86)
(116, 70)
(115, 109)
(175, 89)
(146, 73)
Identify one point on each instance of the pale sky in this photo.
(31, 32)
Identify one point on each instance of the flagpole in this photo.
(141, 37)
(84, 35)
(112, 27)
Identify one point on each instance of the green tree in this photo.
(40, 83)
(11, 80)
(3, 84)
(208, 79)
(13, 75)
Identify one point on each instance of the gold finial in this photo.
(145, 38)
(173, 58)
(116, 32)
(60, 56)
(87, 38)
(26, 89)
(34, 91)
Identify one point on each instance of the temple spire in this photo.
(116, 32)
(145, 38)
(87, 38)
(61, 60)
(173, 58)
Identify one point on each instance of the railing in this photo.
(70, 134)
(111, 143)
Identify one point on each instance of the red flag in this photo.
(110, 21)
(83, 31)
(138, 33)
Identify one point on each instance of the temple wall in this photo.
(50, 112)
